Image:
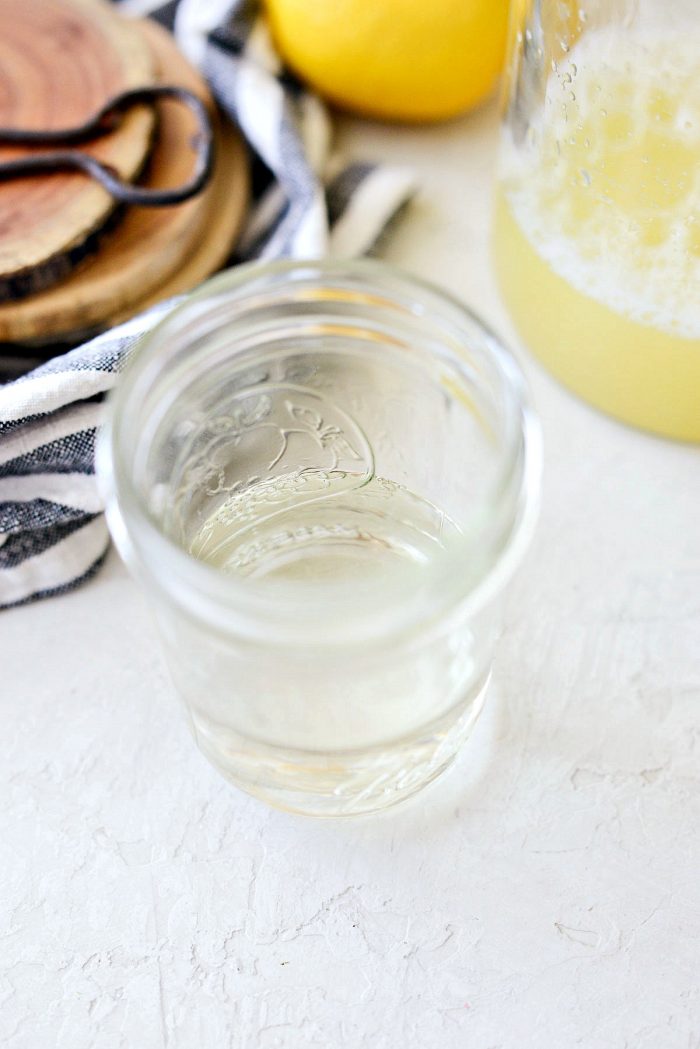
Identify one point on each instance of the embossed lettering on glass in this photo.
(323, 474)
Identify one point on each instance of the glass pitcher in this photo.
(597, 219)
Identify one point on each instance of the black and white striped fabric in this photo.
(305, 205)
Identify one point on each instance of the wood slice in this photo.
(153, 252)
(216, 240)
(60, 61)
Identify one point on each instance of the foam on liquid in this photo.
(618, 105)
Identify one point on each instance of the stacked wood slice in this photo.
(71, 262)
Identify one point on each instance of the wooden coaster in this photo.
(60, 61)
(211, 250)
(153, 252)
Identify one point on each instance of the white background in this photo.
(545, 894)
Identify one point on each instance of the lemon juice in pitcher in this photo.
(597, 226)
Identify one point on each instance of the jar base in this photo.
(346, 783)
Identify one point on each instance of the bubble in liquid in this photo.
(636, 122)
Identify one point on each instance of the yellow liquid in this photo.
(597, 229)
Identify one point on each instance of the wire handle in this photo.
(106, 120)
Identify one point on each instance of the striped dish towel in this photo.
(52, 530)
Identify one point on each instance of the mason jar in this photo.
(323, 474)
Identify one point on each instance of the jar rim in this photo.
(243, 604)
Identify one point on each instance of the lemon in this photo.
(397, 59)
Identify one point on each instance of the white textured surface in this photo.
(546, 894)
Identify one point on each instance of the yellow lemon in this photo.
(397, 59)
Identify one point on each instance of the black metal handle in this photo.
(102, 123)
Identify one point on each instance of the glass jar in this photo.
(597, 225)
(323, 474)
